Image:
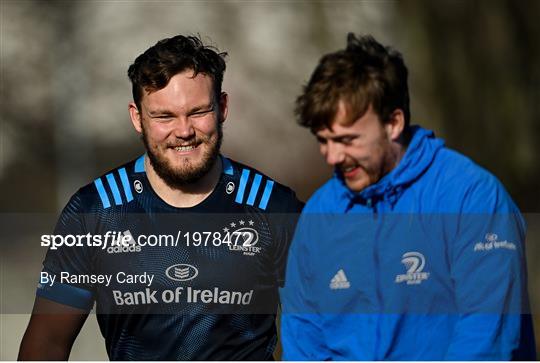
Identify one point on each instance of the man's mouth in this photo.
(350, 171)
(185, 148)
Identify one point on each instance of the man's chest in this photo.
(384, 264)
(222, 261)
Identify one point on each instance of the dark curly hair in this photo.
(153, 69)
(365, 73)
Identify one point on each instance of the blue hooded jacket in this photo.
(426, 264)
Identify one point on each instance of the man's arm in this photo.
(490, 280)
(51, 331)
(301, 334)
(60, 310)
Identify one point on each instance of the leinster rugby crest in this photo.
(414, 264)
(243, 237)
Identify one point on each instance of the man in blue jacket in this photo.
(411, 251)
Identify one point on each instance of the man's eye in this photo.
(162, 118)
(201, 113)
(347, 140)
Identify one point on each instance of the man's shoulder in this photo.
(459, 177)
(328, 198)
(254, 188)
(113, 188)
(457, 164)
(461, 171)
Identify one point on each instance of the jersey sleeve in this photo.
(284, 210)
(67, 261)
(488, 270)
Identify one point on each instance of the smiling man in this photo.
(209, 235)
(411, 251)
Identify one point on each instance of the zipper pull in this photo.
(371, 206)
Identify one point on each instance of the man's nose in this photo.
(334, 154)
(183, 128)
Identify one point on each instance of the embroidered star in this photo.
(225, 230)
(233, 224)
(242, 223)
(251, 223)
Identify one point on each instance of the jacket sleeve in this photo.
(489, 274)
(301, 332)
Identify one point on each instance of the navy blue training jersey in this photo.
(171, 283)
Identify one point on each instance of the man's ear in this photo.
(135, 116)
(223, 106)
(395, 125)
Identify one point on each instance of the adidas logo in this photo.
(339, 281)
(124, 243)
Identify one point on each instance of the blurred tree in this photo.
(484, 83)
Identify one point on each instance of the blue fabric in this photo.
(254, 189)
(139, 165)
(125, 184)
(227, 166)
(67, 295)
(242, 187)
(266, 194)
(114, 189)
(102, 193)
(426, 264)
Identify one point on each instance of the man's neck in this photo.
(397, 151)
(403, 144)
(189, 195)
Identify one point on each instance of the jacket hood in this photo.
(419, 155)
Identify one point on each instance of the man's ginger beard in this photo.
(189, 172)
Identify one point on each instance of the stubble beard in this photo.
(373, 173)
(188, 173)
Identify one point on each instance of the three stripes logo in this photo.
(114, 180)
(257, 195)
(339, 281)
(111, 180)
(181, 272)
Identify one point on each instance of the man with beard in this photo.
(411, 251)
(198, 241)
